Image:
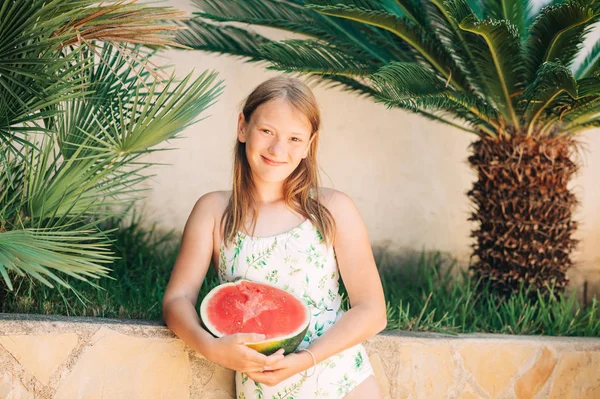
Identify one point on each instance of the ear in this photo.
(241, 128)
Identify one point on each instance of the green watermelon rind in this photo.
(267, 347)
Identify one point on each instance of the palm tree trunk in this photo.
(523, 209)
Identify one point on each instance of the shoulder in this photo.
(350, 227)
(336, 202)
(215, 199)
(211, 205)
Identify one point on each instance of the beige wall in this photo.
(408, 175)
(55, 357)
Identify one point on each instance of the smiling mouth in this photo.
(270, 162)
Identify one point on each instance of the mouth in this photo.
(271, 162)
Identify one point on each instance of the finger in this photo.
(263, 378)
(244, 338)
(274, 358)
(279, 364)
(276, 355)
(280, 351)
(254, 376)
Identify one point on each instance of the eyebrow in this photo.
(273, 127)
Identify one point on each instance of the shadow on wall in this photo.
(408, 261)
(413, 266)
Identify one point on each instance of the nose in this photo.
(277, 147)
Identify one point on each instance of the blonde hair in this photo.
(301, 183)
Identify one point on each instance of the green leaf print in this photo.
(319, 236)
(345, 385)
(272, 276)
(293, 389)
(321, 306)
(358, 361)
(332, 295)
(319, 328)
(329, 363)
(241, 395)
(322, 282)
(244, 378)
(315, 257)
(259, 390)
(236, 252)
(258, 260)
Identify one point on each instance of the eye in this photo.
(296, 139)
(267, 131)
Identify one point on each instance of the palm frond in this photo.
(123, 22)
(588, 87)
(518, 12)
(273, 13)
(591, 63)
(557, 33)
(497, 49)
(447, 15)
(159, 115)
(11, 186)
(314, 56)
(477, 7)
(412, 9)
(552, 79)
(31, 73)
(406, 79)
(112, 77)
(42, 252)
(435, 105)
(222, 39)
(291, 16)
(342, 82)
(127, 112)
(411, 86)
(424, 42)
(580, 112)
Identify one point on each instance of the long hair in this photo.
(300, 189)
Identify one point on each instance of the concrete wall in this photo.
(73, 358)
(408, 175)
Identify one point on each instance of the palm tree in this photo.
(494, 69)
(80, 103)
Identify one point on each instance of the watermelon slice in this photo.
(245, 306)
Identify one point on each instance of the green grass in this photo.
(424, 296)
(421, 295)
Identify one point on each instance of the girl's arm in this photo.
(367, 315)
(189, 271)
(181, 295)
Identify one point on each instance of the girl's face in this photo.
(277, 138)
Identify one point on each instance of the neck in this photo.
(268, 193)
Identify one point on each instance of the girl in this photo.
(307, 236)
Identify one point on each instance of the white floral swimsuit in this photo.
(298, 261)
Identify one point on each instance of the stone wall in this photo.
(59, 357)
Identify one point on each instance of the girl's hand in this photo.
(230, 352)
(282, 369)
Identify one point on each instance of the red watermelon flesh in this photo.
(251, 307)
(255, 308)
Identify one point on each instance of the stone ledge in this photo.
(55, 357)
